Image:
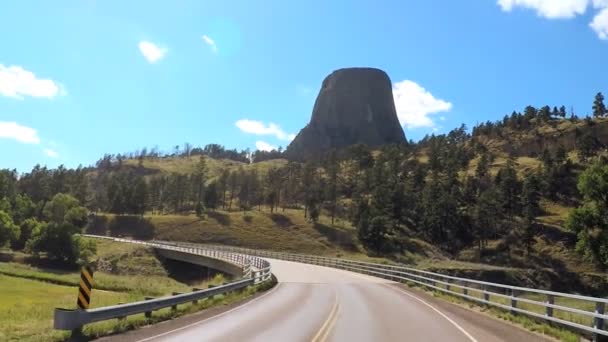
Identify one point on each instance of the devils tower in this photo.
(354, 106)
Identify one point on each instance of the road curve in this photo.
(318, 304)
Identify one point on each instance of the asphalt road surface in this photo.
(318, 304)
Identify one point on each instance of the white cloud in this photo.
(259, 128)
(264, 146)
(51, 153)
(17, 82)
(152, 52)
(600, 23)
(210, 42)
(551, 9)
(600, 3)
(415, 104)
(12, 130)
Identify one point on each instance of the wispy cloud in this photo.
(600, 23)
(152, 52)
(551, 9)
(210, 42)
(51, 153)
(415, 104)
(17, 82)
(565, 9)
(264, 146)
(259, 128)
(15, 131)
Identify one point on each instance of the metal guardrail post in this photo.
(598, 322)
(465, 291)
(514, 294)
(486, 293)
(148, 314)
(121, 318)
(549, 309)
(194, 289)
(174, 307)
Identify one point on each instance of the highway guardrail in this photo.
(255, 271)
(582, 313)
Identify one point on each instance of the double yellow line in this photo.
(326, 328)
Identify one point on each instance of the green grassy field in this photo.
(29, 294)
(142, 285)
(27, 307)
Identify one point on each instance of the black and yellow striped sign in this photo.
(85, 287)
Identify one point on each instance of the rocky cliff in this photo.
(354, 105)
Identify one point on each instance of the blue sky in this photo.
(82, 78)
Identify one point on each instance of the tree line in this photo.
(441, 189)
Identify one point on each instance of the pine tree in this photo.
(599, 109)
(509, 188)
(223, 185)
(199, 179)
(232, 183)
(331, 193)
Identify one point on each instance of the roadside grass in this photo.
(29, 294)
(527, 322)
(143, 285)
(530, 323)
(105, 328)
(27, 307)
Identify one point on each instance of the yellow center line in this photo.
(327, 326)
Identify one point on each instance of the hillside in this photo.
(482, 201)
(550, 135)
(187, 165)
(551, 257)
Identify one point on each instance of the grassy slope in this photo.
(183, 165)
(553, 247)
(27, 307)
(29, 294)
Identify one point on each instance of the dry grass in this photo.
(283, 231)
(554, 213)
(184, 165)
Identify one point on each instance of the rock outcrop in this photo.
(354, 105)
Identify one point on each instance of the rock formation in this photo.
(354, 105)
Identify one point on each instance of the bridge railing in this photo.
(582, 313)
(255, 271)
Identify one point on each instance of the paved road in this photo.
(318, 304)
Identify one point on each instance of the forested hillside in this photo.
(504, 194)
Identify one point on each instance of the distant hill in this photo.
(549, 135)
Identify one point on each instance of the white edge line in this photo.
(437, 311)
(212, 317)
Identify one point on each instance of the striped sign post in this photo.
(84, 288)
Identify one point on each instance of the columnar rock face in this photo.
(355, 105)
